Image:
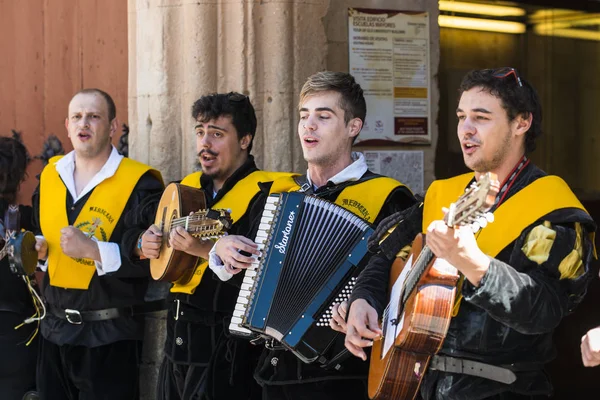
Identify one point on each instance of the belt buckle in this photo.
(305, 186)
(73, 316)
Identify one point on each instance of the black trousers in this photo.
(205, 382)
(17, 361)
(347, 389)
(181, 382)
(109, 372)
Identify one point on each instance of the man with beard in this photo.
(92, 332)
(520, 275)
(332, 112)
(201, 361)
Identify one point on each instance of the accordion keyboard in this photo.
(243, 299)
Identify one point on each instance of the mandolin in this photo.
(421, 298)
(184, 206)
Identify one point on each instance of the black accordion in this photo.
(312, 251)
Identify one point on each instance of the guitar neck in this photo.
(417, 272)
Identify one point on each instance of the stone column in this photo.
(180, 50)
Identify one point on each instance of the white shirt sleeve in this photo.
(216, 265)
(110, 258)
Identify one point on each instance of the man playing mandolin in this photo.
(201, 360)
(519, 276)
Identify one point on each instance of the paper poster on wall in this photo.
(389, 57)
(404, 166)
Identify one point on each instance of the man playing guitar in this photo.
(518, 281)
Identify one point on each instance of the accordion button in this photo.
(274, 361)
(179, 341)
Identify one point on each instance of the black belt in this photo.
(77, 317)
(475, 368)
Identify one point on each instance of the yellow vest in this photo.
(364, 199)
(237, 200)
(101, 213)
(539, 198)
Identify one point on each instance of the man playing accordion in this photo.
(332, 113)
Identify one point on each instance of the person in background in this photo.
(18, 347)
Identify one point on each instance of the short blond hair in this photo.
(352, 100)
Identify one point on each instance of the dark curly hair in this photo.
(13, 166)
(516, 99)
(232, 104)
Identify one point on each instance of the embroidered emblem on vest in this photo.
(103, 212)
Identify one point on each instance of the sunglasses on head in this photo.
(503, 72)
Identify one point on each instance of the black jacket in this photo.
(14, 295)
(509, 319)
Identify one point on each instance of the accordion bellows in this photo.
(312, 251)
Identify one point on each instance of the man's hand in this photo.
(151, 242)
(590, 348)
(181, 240)
(228, 249)
(76, 244)
(458, 247)
(338, 319)
(362, 328)
(41, 246)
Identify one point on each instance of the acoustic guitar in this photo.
(421, 298)
(184, 206)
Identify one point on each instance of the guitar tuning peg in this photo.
(482, 221)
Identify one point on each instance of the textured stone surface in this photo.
(180, 50)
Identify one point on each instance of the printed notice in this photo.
(389, 57)
(404, 166)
